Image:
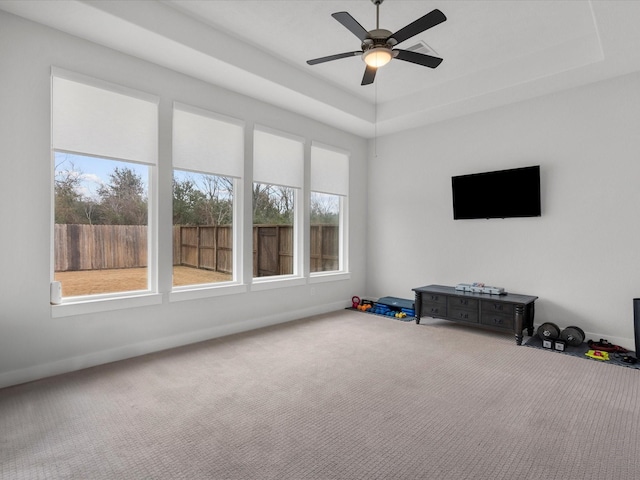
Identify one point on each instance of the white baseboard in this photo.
(71, 364)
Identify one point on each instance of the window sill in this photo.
(321, 277)
(268, 283)
(93, 305)
(196, 292)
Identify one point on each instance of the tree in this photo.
(123, 201)
(325, 209)
(272, 204)
(69, 206)
(186, 199)
(202, 199)
(217, 209)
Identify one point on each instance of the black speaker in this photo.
(636, 323)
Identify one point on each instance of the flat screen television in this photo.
(498, 194)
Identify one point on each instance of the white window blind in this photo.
(102, 122)
(277, 159)
(205, 143)
(329, 171)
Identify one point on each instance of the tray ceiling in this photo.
(495, 52)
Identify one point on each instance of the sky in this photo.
(94, 172)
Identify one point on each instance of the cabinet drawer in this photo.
(497, 320)
(462, 302)
(489, 307)
(463, 314)
(434, 298)
(434, 309)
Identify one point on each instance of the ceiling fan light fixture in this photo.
(377, 57)
(378, 45)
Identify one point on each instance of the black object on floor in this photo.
(580, 351)
(392, 307)
(408, 318)
(397, 303)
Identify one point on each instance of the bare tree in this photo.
(123, 200)
(273, 204)
(67, 192)
(325, 208)
(218, 192)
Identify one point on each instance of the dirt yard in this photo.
(90, 282)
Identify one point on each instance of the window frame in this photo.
(77, 305)
(297, 277)
(83, 304)
(343, 272)
(237, 284)
(243, 239)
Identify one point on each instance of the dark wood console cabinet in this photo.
(507, 313)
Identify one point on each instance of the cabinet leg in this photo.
(530, 317)
(519, 323)
(417, 306)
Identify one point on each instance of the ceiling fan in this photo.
(377, 45)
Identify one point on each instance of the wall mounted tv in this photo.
(498, 194)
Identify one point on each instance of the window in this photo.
(208, 160)
(101, 222)
(278, 177)
(104, 141)
(329, 192)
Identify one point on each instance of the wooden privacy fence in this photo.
(210, 247)
(96, 247)
(272, 250)
(324, 248)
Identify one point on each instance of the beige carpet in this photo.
(340, 396)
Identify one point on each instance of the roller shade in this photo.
(277, 159)
(101, 122)
(205, 142)
(329, 171)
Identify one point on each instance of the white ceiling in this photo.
(495, 52)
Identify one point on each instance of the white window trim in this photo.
(298, 243)
(235, 285)
(93, 304)
(297, 277)
(332, 276)
(196, 292)
(119, 300)
(277, 281)
(343, 249)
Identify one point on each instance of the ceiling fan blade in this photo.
(352, 24)
(429, 20)
(419, 58)
(334, 57)
(369, 75)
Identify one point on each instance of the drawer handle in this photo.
(434, 297)
(464, 315)
(497, 306)
(497, 321)
(464, 301)
(435, 310)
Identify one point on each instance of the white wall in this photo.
(32, 343)
(580, 258)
